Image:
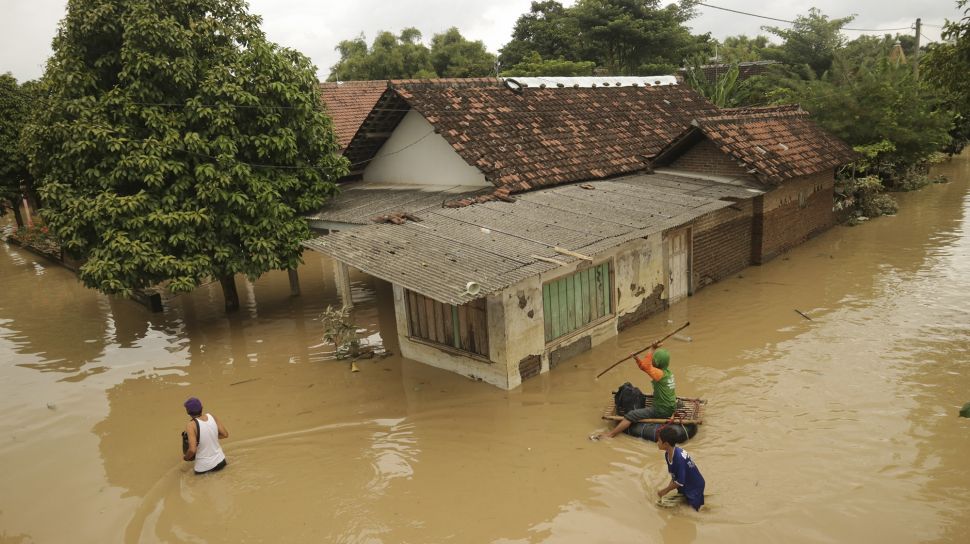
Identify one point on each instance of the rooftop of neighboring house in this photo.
(522, 138)
(594, 81)
(772, 143)
(349, 103)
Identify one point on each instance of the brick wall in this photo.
(705, 158)
(791, 214)
(722, 243)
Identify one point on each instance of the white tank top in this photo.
(209, 453)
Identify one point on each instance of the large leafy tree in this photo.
(623, 37)
(404, 56)
(14, 109)
(548, 30)
(947, 66)
(535, 65)
(177, 144)
(812, 40)
(452, 55)
(388, 57)
(878, 106)
(742, 49)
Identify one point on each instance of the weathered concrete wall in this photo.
(637, 293)
(523, 330)
(415, 154)
(792, 213)
(722, 243)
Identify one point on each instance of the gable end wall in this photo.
(792, 213)
(705, 158)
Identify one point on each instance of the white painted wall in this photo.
(415, 154)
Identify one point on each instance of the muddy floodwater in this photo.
(841, 428)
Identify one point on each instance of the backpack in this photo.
(627, 398)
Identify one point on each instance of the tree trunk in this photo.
(16, 214)
(294, 282)
(230, 293)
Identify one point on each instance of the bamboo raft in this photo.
(689, 411)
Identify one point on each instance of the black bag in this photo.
(185, 437)
(627, 398)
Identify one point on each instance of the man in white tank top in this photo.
(204, 446)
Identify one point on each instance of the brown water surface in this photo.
(839, 429)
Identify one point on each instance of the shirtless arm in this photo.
(193, 441)
(223, 433)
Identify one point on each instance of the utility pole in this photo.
(919, 24)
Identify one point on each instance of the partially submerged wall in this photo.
(637, 281)
(790, 214)
(722, 243)
(491, 369)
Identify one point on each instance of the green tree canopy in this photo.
(15, 104)
(534, 65)
(177, 144)
(549, 30)
(947, 66)
(405, 57)
(812, 40)
(454, 56)
(389, 57)
(741, 48)
(880, 106)
(622, 37)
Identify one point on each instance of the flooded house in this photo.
(522, 224)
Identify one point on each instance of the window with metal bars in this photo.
(462, 327)
(575, 301)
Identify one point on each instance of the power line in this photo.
(795, 23)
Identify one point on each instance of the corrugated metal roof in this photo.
(359, 202)
(494, 243)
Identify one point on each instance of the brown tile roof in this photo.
(348, 104)
(542, 137)
(777, 143)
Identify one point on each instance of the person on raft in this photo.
(655, 364)
(684, 474)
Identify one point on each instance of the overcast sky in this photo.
(314, 26)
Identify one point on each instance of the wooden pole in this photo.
(658, 342)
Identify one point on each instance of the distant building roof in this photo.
(775, 143)
(594, 81)
(522, 138)
(496, 244)
(745, 69)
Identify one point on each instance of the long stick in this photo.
(682, 327)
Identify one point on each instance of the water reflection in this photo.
(61, 329)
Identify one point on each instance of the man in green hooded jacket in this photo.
(655, 364)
